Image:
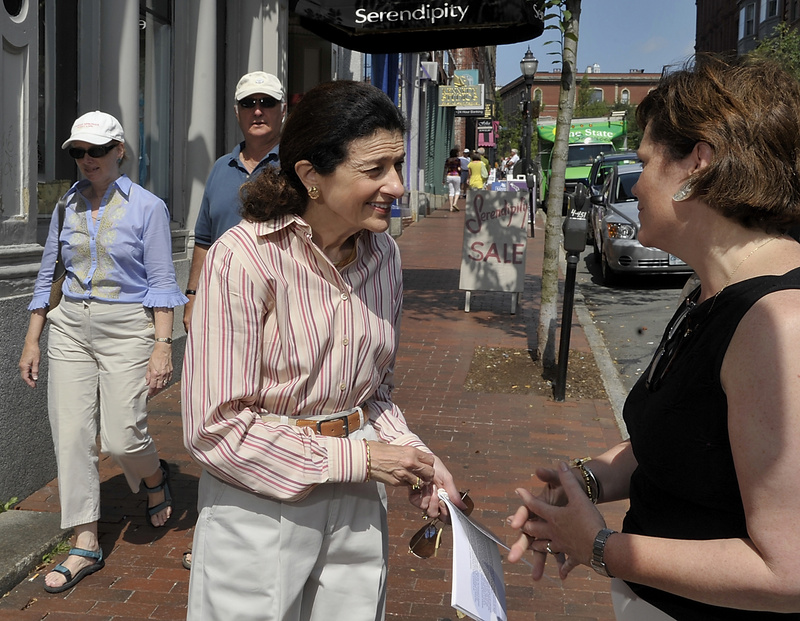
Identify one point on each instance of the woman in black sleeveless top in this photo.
(712, 466)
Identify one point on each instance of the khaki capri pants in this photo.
(98, 354)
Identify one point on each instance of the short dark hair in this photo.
(320, 129)
(748, 112)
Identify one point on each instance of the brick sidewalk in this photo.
(490, 442)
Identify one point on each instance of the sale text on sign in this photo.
(495, 241)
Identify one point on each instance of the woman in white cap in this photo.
(109, 345)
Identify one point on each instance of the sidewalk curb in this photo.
(614, 388)
(608, 372)
(25, 537)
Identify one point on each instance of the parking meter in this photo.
(575, 227)
(576, 224)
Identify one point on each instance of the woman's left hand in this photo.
(159, 368)
(568, 530)
(427, 497)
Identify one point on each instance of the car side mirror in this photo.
(597, 200)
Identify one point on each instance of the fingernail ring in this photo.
(416, 485)
(549, 549)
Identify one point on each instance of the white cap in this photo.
(95, 128)
(466, 150)
(259, 82)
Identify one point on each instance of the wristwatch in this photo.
(598, 552)
(164, 339)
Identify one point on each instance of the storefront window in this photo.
(155, 95)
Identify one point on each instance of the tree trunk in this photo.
(548, 314)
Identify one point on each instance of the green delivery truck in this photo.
(588, 138)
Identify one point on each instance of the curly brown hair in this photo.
(748, 112)
(320, 129)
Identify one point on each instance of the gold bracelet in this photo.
(590, 482)
(369, 461)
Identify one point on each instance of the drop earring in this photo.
(313, 192)
(683, 192)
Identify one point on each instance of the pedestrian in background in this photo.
(110, 341)
(511, 163)
(288, 377)
(452, 177)
(711, 465)
(260, 109)
(477, 172)
(465, 159)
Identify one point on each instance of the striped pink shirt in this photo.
(277, 329)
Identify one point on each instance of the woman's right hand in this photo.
(29, 363)
(400, 465)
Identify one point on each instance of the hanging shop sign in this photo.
(383, 26)
(486, 132)
(467, 96)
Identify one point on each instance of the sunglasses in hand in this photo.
(425, 541)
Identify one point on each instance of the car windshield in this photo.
(624, 190)
(584, 154)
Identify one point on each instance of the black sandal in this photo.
(164, 485)
(71, 580)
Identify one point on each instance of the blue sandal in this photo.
(89, 569)
(164, 485)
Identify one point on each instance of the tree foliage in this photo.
(584, 106)
(510, 134)
(783, 47)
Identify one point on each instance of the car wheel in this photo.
(610, 277)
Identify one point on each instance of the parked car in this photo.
(601, 167)
(603, 164)
(615, 223)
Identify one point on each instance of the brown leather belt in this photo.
(339, 427)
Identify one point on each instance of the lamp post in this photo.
(528, 66)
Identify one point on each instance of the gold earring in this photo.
(313, 192)
(683, 192)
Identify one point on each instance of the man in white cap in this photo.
(260, 108)
(464, 172)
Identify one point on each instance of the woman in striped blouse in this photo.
(288, 377)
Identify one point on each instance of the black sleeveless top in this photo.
(685, 484)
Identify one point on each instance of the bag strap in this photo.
(62, 208)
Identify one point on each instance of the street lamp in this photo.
(528, 66)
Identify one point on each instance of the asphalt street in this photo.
(631, 316)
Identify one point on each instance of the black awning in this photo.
(383, 26)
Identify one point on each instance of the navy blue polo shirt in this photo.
(221, 206)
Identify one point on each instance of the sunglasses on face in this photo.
(264, 102)
(94, 152)
(425, 541)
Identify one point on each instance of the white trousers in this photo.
(630, 607)
(259, 559)
(454, 185)
(98, 354)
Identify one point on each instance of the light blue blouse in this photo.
(125, 256)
